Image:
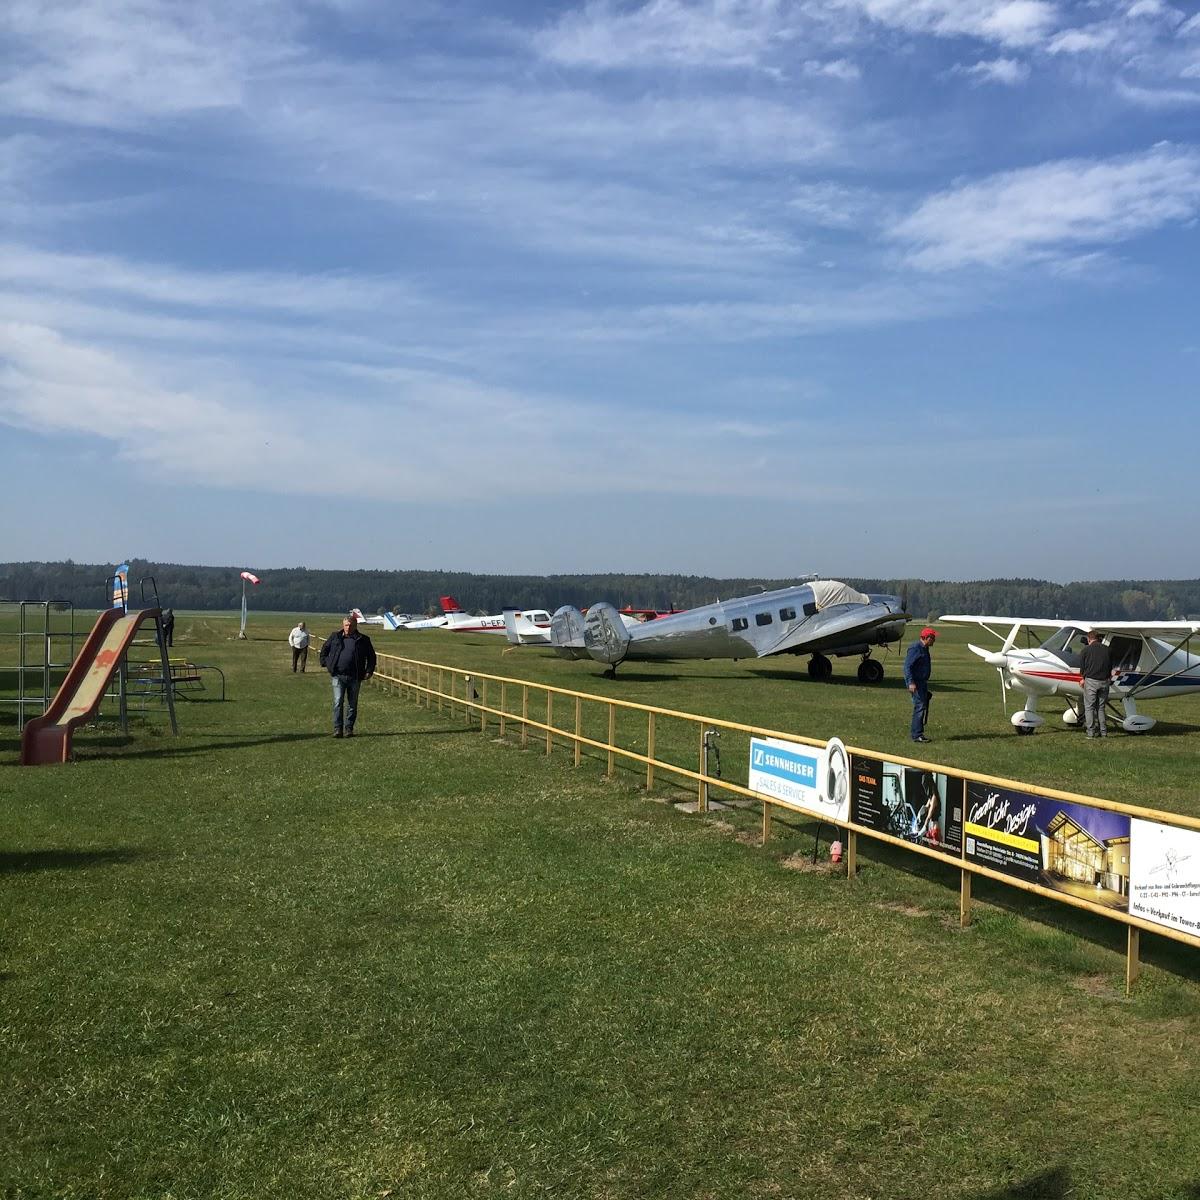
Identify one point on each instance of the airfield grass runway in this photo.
(254, 961)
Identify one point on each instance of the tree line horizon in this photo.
(307, 590)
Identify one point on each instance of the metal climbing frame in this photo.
(43, 645)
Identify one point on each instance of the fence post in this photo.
(851, 853)
(483, 711)
(1133, 965)
(766, 828)
(503, 706)
(524, 715)
(702, 785)
(612, 739)
(650, 751)
(549, 721)
(964, 900)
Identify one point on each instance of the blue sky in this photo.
(740, 287)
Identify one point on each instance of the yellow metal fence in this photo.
(635, 733)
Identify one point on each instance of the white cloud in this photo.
(836, 68)
(715, 33)
(1006, 71)
(1006, 22)
(1047, 211)
(1087, 40)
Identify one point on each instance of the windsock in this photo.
(249, 575)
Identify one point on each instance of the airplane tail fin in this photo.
(604, 634)
(510, 626)
(449, 604)
(566, 633)
(389, 619)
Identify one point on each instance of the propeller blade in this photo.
(1003, 689)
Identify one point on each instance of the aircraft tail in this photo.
(449, 604)
(510, 627)
(566, 633)
(605, 636)
(390, 621)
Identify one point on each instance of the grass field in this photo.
(253, 961)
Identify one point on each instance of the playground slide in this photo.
(47, 739)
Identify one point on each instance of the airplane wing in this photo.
(1000, 625)
(835, 629)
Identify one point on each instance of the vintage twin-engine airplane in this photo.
(818, 618)
(1150, 659)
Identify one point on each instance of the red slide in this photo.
(47, 739)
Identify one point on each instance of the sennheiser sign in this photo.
(812, 779)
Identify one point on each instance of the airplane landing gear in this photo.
(870, 670)
(819, 667)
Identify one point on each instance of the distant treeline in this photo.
(300, 590)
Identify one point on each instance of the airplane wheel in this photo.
(819, 667)
(870, 670)
(1025, 732)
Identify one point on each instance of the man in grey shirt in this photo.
(1095, 668)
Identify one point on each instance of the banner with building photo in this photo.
(1072, 848)
(1164, 880)
(814, 779)
(918, 806)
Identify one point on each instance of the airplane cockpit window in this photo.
(738, 624)
(762, 618)
(1067, 644)
(810, 610)
(1126, 652)
(787, 614)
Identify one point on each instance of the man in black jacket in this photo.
(349, 658)
(1095, 669)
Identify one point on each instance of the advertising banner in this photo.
(1164, 883)
(1072, 848)
(814, 779)
(919, 806)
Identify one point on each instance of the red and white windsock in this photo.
(249, 575)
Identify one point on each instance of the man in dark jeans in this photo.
(349, 658)
(918, 666)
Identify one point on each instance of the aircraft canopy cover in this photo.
(828, 592)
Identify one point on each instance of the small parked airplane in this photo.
(819, 618)
(1151, 659)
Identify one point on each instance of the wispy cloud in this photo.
(1007, 71)
(1043, 212)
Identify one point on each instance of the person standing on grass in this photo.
(168, 626)
(1096, 669)
(918, 666)
(298, 640)
(349, 658)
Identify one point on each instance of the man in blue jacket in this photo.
(917, 668)
(349, 658)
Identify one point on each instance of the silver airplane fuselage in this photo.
(792, 620)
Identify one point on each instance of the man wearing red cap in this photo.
(917, 668)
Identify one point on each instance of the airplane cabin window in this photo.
(738, 624)
(762, 618)
(787, 614)
(810, 610)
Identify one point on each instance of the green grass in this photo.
(254, 962)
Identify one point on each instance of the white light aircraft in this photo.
(1151, 660)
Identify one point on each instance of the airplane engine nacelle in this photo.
(1026, 721)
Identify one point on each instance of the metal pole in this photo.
(612, 739)
(650, 751)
